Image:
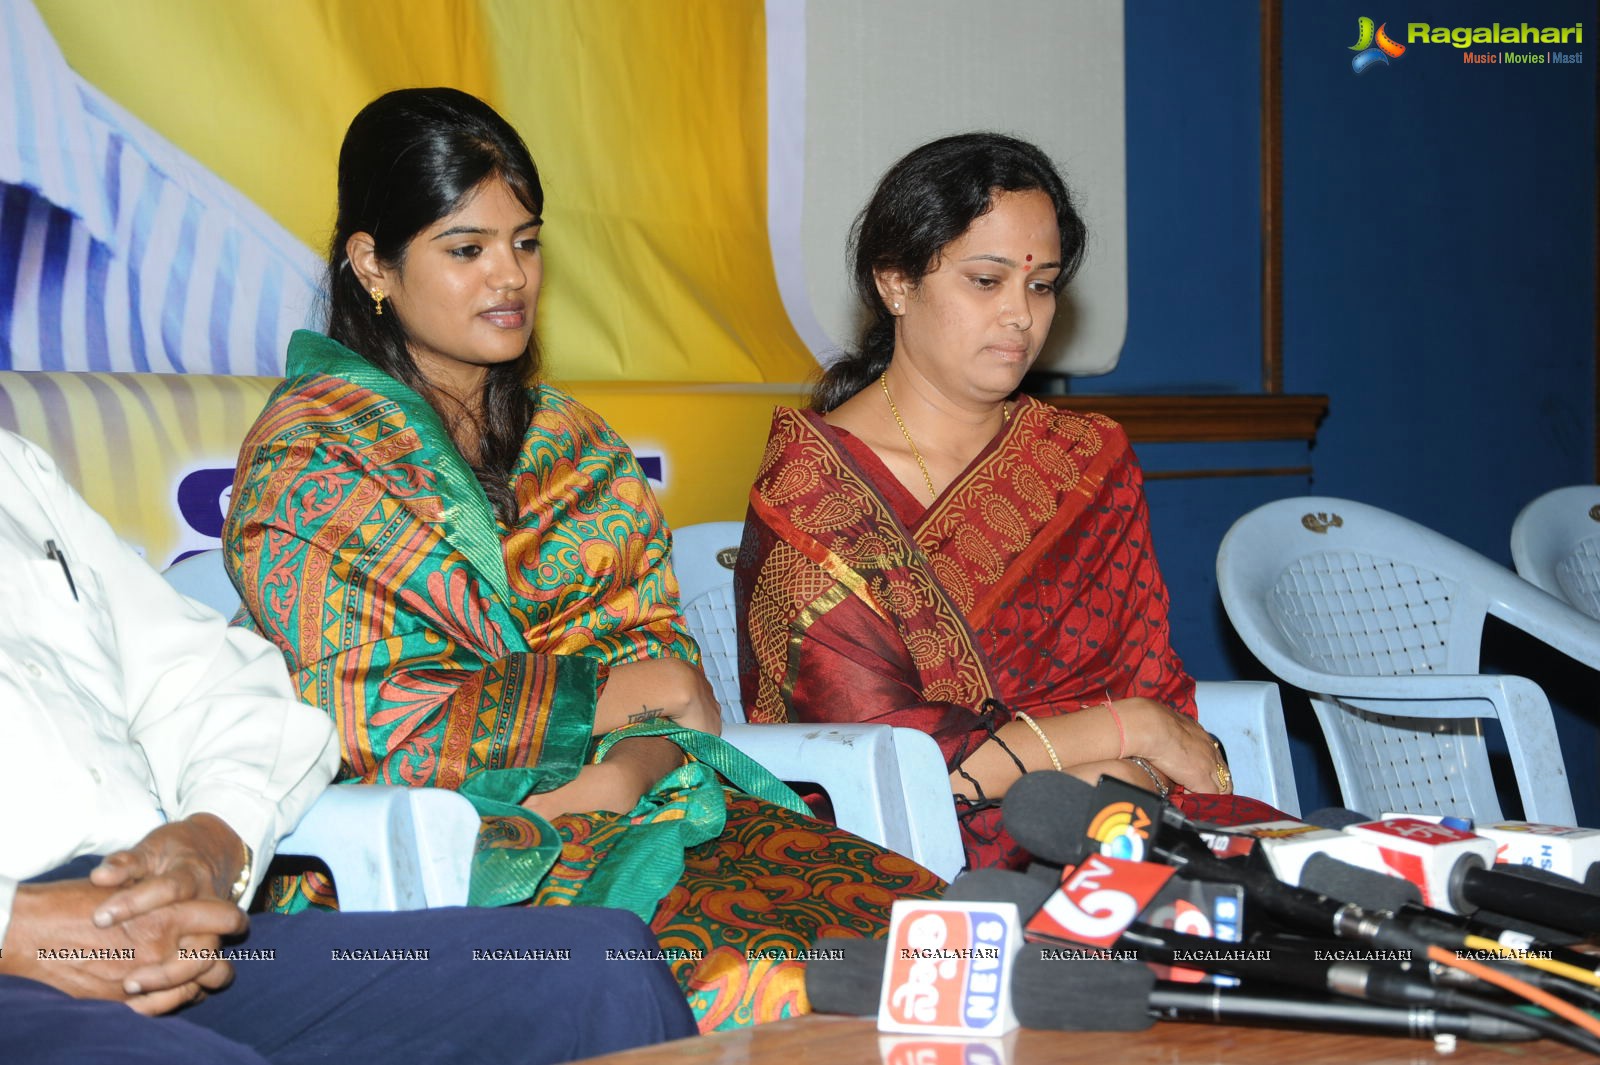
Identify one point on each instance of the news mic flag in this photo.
(948, 970)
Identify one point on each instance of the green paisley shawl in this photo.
(453, 651)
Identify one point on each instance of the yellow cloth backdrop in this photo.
(647, 120)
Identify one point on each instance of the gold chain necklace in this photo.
(883, 380)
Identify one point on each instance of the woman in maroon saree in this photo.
(923, 551)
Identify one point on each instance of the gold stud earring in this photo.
(377, 299)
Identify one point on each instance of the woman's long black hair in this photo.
(409, 158)
(924, 202)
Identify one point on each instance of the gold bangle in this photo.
(1155, 778)
(1049, 748)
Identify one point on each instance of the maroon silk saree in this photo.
(1030, 584)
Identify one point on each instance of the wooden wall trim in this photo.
(1243, 471)
(1271, 196)
(1205, 419)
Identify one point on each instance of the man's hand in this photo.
(196, 858)
(144, 968)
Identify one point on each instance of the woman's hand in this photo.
(602, 786)
(630, 769)
(658, 689)
(1094, 741)
(1175, 744)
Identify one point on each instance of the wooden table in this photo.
(820, 1040)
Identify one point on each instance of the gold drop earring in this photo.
(377, 299)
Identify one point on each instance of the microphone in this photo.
(1109, 996)
(1452, 868)
(1335, 817)
(1206, 914)
(1059, 818)
(1386, 976)
(1372, 891)
(845, 975)
(1286, 846)
(1027, 892)
(1345, 880)
(1356, 881)
(1122, 997)
(1387, 982)
(1570, 852)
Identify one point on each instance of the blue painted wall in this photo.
(1439, 280)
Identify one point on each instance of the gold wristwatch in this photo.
(242, 883)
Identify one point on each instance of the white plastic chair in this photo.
(388, 848)
(887, 774)
(1379, 620)
(887, 785)
(1555, 545)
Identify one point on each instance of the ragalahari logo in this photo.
(1373, 46)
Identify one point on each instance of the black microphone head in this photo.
(1051, 871)
(850, 984)
(1047, 813)
(1002, 885)
(1540, 876)
(1351, 883)
(1336, 818)
(1521, 921)
(1080, 996)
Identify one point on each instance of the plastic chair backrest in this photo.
(887, 785)
(1327, 591)
(1555, 545)
(202, 576)
(703, 557)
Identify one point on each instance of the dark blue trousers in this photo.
(345, 987)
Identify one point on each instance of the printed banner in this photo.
(155, 453)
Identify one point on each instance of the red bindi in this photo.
(1028, 259)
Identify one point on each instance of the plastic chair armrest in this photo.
(1523, 712)
(855, 764)
(1247, 716)
(1371, 693)
(1550, 619)
(930, 806)
(390, 848)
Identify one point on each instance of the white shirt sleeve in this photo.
(8, 892)
(208, 707)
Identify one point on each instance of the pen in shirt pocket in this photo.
(51, 551)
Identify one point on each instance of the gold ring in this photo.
(1223, 774)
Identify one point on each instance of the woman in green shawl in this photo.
(468, 571)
